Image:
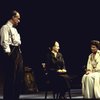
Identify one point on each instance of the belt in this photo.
(15, 47)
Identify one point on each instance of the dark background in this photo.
(73, 23)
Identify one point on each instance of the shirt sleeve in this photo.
(61, 60)
(5, 39)
(16, 37)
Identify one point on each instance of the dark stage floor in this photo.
(75, 94)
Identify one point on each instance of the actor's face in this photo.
(16, 19)
(94, 49)
(56, 47)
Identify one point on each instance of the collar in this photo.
(98, 51)
(9, 24)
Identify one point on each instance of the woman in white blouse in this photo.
(91, 79)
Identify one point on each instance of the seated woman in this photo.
(91, 79)
(56, 69)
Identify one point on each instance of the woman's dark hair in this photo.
(52, 43)
(96, 43)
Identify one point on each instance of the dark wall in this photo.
(73, 23)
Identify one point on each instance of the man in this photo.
(10, 42)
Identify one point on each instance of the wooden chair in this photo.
(48, 84)
(49, 87)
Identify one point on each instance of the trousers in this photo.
(13, 72)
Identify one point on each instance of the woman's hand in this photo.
(64, 70)
(61, 70)
(88, 72)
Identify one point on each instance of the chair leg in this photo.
(69, 94)
(57, 97)
(54, 95)
(46, 92)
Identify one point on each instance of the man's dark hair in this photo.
(13, 13)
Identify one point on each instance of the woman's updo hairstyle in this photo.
(96, 43)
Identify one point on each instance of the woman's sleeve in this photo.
(89, 66)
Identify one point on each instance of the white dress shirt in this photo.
(9, 36)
